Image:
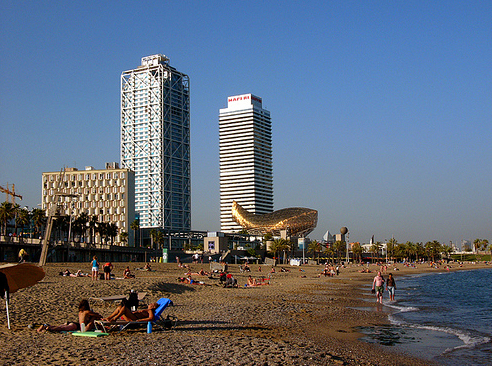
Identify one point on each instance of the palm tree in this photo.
(433, 249)
(112, 231)
(80, 225)
(92, 228)
(135, 225)
(338, 247)
(477, 243)
(375, 249)
(39, 219)
(481, 244)
(23, 218)
(314, 247)
(16, 208)
(284, 247)
(7, 213)
(411, 249)
(159, 239)
(330, 253)
(124, 237)
(153, 235)
(279, 245)
(447, 249)
(390, 247)
(420, 250)
(102, 230)
(357, 250)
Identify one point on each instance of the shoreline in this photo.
(295, 320)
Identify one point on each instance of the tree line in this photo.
(431, 250)
(83, 227)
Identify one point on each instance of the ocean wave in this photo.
(469, 340)
(400, 308)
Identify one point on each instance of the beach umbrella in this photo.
(13, 277)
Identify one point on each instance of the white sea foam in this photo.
(469, 341)
(400, 308)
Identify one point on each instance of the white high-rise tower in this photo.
(155, 142)
(246, 172)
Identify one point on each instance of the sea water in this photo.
(445, 317)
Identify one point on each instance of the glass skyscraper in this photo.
(155, 142)
(246, 172)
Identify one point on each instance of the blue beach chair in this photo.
(167, 323)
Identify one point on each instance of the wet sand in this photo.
(298, 319)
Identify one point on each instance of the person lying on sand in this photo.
(188, 280)
(79, 274)
(122, 311)
(67, 327)
(252, 282)
(86, 316)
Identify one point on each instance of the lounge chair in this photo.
(167, 323)
(110, 299)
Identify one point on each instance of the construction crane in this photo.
(10, 193)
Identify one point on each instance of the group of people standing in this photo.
(378, 287)
(107, 268)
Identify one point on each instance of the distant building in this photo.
(246, 171)
(466, 246)
(155, 142)
(106, 193)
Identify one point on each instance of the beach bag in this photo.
(373, 291)
(132, 301)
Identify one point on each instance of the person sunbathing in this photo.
(251, 282)
(122, 311)
(188, 280)
(86, 316)
(79, 274)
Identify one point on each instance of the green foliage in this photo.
(251, 252)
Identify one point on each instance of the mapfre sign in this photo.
(244, 100)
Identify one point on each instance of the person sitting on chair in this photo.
(146, 315)
(86, 315)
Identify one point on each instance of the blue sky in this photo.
(381, 110)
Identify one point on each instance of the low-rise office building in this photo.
(108, 194)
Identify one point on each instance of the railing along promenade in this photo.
(63, 251)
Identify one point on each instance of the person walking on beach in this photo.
(378, 286)
(391, 287)
(95, 268)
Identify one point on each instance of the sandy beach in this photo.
(298, 319)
